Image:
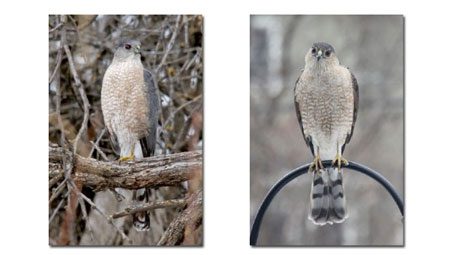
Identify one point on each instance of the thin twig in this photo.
(80, 88)
(58, 99)
(85, 218)
(95, 145)
(67, 228)
(188, 64)
(57, 65)
(55, 28)
(195, 99)
(103, 155)
(176, 51)
(170, 43)
(56, 178)
(186, 31)
(180, 141)
(191, 77)
(171, 116)
(108, 219)
(60, 204)
(197, 125)
(83, 95)
(57, 191)
(150, 206)
(117, 195)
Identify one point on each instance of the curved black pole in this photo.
(302, 170)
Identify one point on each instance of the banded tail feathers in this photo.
(141, 220)
(328, 203)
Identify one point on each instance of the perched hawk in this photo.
(130, 103)
(326, 102)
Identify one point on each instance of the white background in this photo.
(429, 114)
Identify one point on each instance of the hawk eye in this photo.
(127, 46)
(313, 50)
(327, 53)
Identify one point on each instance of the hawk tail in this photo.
(141, 220)
(328, 204)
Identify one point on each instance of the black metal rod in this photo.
(302, 170)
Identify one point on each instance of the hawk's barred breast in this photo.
(326, 102)
(124, 101)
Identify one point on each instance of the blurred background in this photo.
(172, 51)
(373, 48)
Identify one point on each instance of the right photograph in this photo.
(327, 130)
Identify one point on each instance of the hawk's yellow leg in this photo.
(317, 164)
(130, 157)
(339, 161)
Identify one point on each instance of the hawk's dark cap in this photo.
(323, 46)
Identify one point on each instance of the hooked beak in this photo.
(137, 49)
(319, 55)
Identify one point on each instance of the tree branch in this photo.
(166, 170)
(78, 85)
(93, 205)
(170, 43)
(150, 206)
(189, 218)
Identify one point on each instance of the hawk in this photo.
(326, 102)
(130, 103)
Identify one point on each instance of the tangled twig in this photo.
(150, 206)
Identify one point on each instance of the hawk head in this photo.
(127, 49)
(321, 54)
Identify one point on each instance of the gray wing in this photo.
(298, 115)
(355, 106)
(148, 143)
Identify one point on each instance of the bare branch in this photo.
(57, 209)
(55, 28)
(58, 97)
(181, 107)
(108, 219)
(85, 217)
(170, 43)
(103, 155)
(95, 145)
(150, 206)
(57, 191)
(166, 170)
(56, 178)
(67, 228)
(190, 217)
(57, 65)
(79, 86)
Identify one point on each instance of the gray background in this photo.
(373, 48)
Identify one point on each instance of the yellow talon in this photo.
(130, 157)
(339, 161)
(126, 158)
(316, 165)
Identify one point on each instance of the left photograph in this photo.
(125, 130)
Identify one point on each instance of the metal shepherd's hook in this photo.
(302, 170)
